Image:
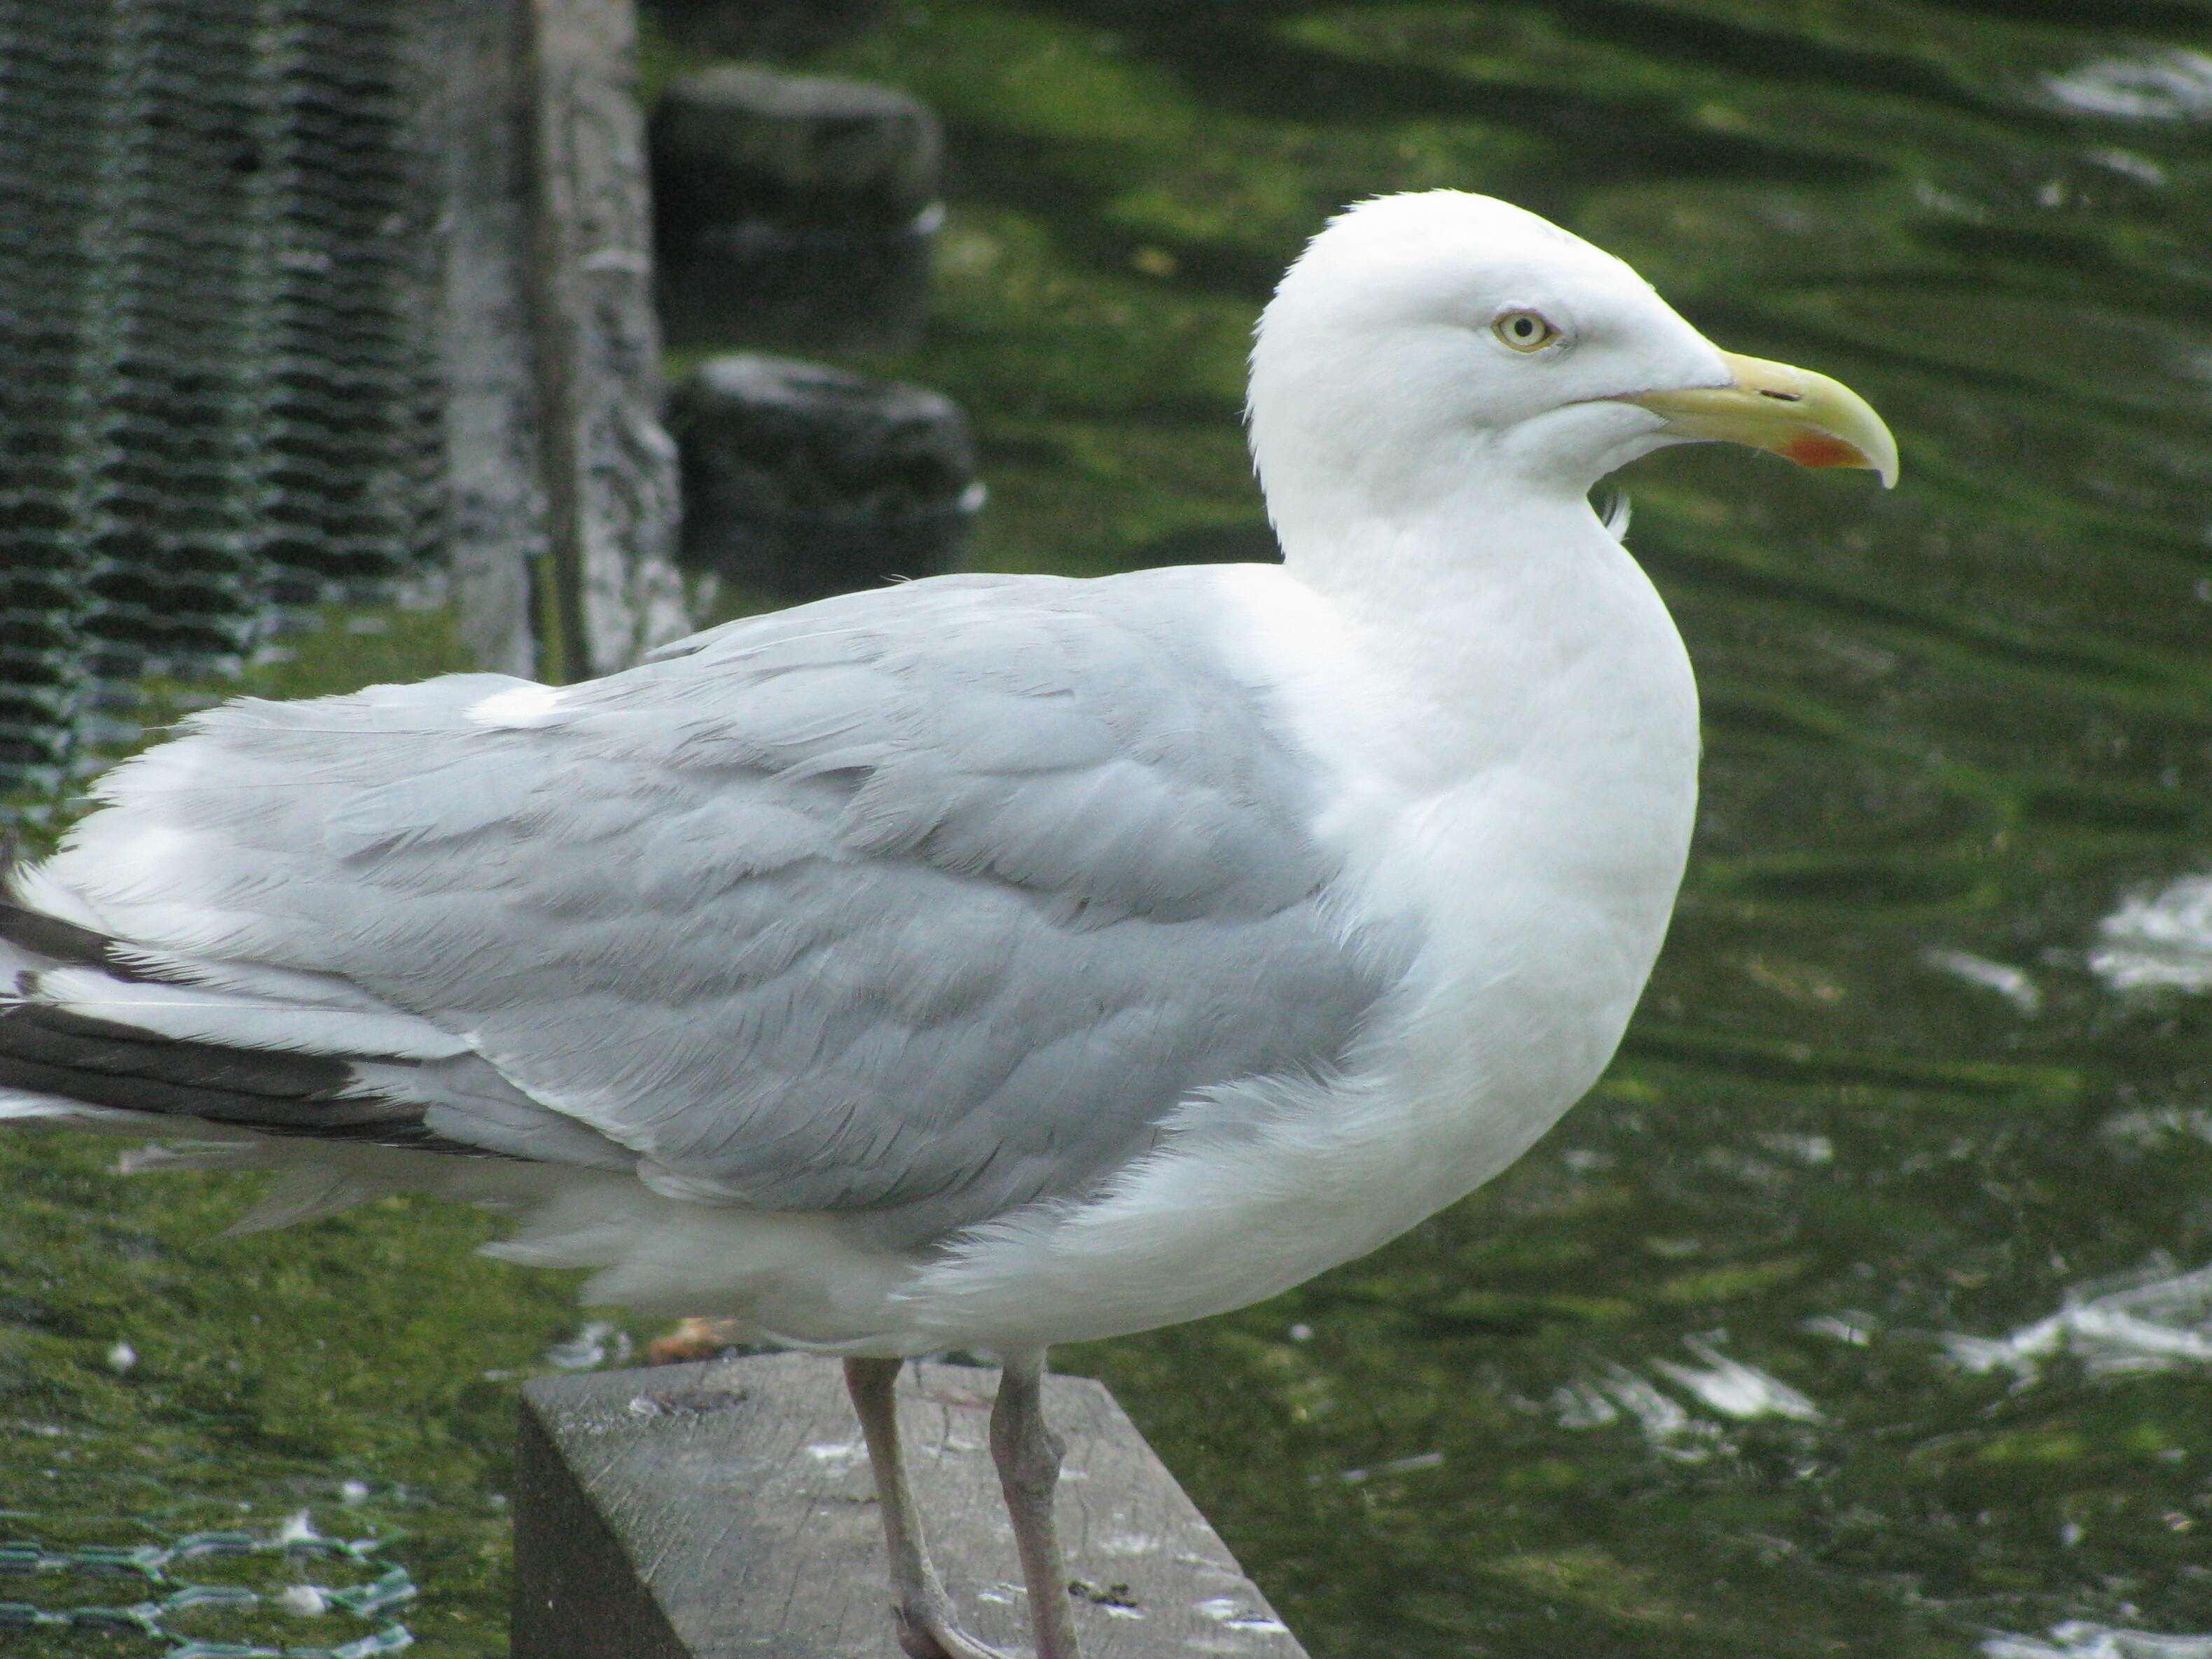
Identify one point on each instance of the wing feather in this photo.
(929, 902)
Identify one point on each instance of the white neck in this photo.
(1368, 546)
(1493, 640)
(1479, 602)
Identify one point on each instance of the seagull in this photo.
(989, 962)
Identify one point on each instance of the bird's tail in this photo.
(98, 1033)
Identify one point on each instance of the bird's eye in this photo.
(1524, 331)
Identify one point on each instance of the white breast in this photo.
(1512, 770)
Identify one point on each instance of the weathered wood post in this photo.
(563, 483)
(708, 1511)
(610, 470)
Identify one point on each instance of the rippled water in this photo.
(1865, 1307)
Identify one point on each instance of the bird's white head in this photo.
(1442, 347)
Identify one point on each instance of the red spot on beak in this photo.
(1818, 449)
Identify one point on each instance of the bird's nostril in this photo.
(1782, 397)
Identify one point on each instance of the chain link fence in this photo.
(221, 403)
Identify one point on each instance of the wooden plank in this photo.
(715, 1511)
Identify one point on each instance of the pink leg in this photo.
(1028, 1454)
(918, 1603)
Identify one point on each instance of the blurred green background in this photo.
(1902, 1082)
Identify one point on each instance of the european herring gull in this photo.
(990, 961)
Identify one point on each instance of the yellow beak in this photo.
(1801, 415)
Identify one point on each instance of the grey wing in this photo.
(929, 902)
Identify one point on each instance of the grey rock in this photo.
(793, 207)
(801, 481)
(766, 29)
(735, 143)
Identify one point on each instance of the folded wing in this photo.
(926, 903)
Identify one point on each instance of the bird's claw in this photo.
(926, 1631)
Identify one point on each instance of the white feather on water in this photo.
(2158, 941)
(2162, 1321)
(1722, 1385)
(2172, 85)
(2079, 1639)
(1735, 1389)
(2009, 982)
